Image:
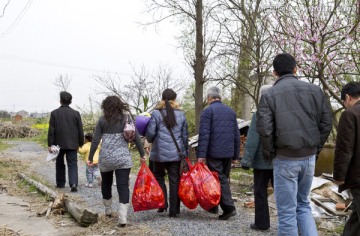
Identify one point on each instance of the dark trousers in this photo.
(122, 184)
(352, 226)
(172, 169)
(261, 181)
(71, 160)
(222, 166)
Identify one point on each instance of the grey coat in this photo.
(163, 148)
(253, 156)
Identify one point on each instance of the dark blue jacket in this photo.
(219, 135)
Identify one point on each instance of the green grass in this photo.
(4, 145)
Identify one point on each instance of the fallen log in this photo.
(83, 216)
(42, 188)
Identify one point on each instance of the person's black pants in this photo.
(352, 225)
(122, 184)
(71, 160)
(222, 166)
(172, 169)
(261, 181)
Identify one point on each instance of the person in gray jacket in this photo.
(164, 154)
(263, 173)
(114, 154)
(66, 130)
(293, 121)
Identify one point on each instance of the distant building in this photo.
(23, 113)
(38, 115)
(17, 118)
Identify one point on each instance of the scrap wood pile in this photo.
(10, 130)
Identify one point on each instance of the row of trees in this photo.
(232, 42)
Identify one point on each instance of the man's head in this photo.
(350, 94)
(213, 93)
(65, 98)
(284, 63)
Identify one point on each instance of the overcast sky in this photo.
(41, 39)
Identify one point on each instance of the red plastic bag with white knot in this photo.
(206, 186)
(147, 192)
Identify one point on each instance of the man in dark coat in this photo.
(219, 144)
(293, 121)
(66, 131)
(347, 153)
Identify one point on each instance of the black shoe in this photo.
(161, 210)
(73, 188)
(214, 210)
(171, 215)
(253, 226)
(227, 215)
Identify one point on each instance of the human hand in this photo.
(89, 163)
(143, 159)
(339, 182)
(202, 160)
(147, 150)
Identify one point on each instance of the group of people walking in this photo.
(286, 135)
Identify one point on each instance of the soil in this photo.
(29, 158)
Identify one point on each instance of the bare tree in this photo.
(62, 82)
(198, 37)
(145, 88)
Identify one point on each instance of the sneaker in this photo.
(99, 180)
(90, 185)
(227, 215)
(73, 188)
(253, 226)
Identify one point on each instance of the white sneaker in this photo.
(89, 185)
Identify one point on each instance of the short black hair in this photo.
(89, 136)
(65, 98)
(352, 89)
(284, 63)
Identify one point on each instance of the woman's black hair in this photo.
(113, 108)
(170, 119)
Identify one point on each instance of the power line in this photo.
(16, 58)
(17, 20)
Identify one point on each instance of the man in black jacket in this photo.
(293, 121)
(66, 130)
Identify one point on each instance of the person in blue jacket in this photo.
(219, 144)
(263, 173)
(164, 154)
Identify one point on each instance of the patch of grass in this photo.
(339, 229)
(4, 145)
(41, 138)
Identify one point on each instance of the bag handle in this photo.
(172, 136)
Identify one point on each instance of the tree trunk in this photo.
(199, 64)
(83, 216)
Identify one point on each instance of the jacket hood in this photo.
(162, 105)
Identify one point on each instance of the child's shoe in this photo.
(89, 185)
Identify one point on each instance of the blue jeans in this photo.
(92, 172)
(292, 180)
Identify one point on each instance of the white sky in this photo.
(54, 37)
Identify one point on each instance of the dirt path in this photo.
(190, 222)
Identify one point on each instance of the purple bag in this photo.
(141, 123)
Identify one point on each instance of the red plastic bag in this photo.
(147, 192)
(206, 186)
(186, 189)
